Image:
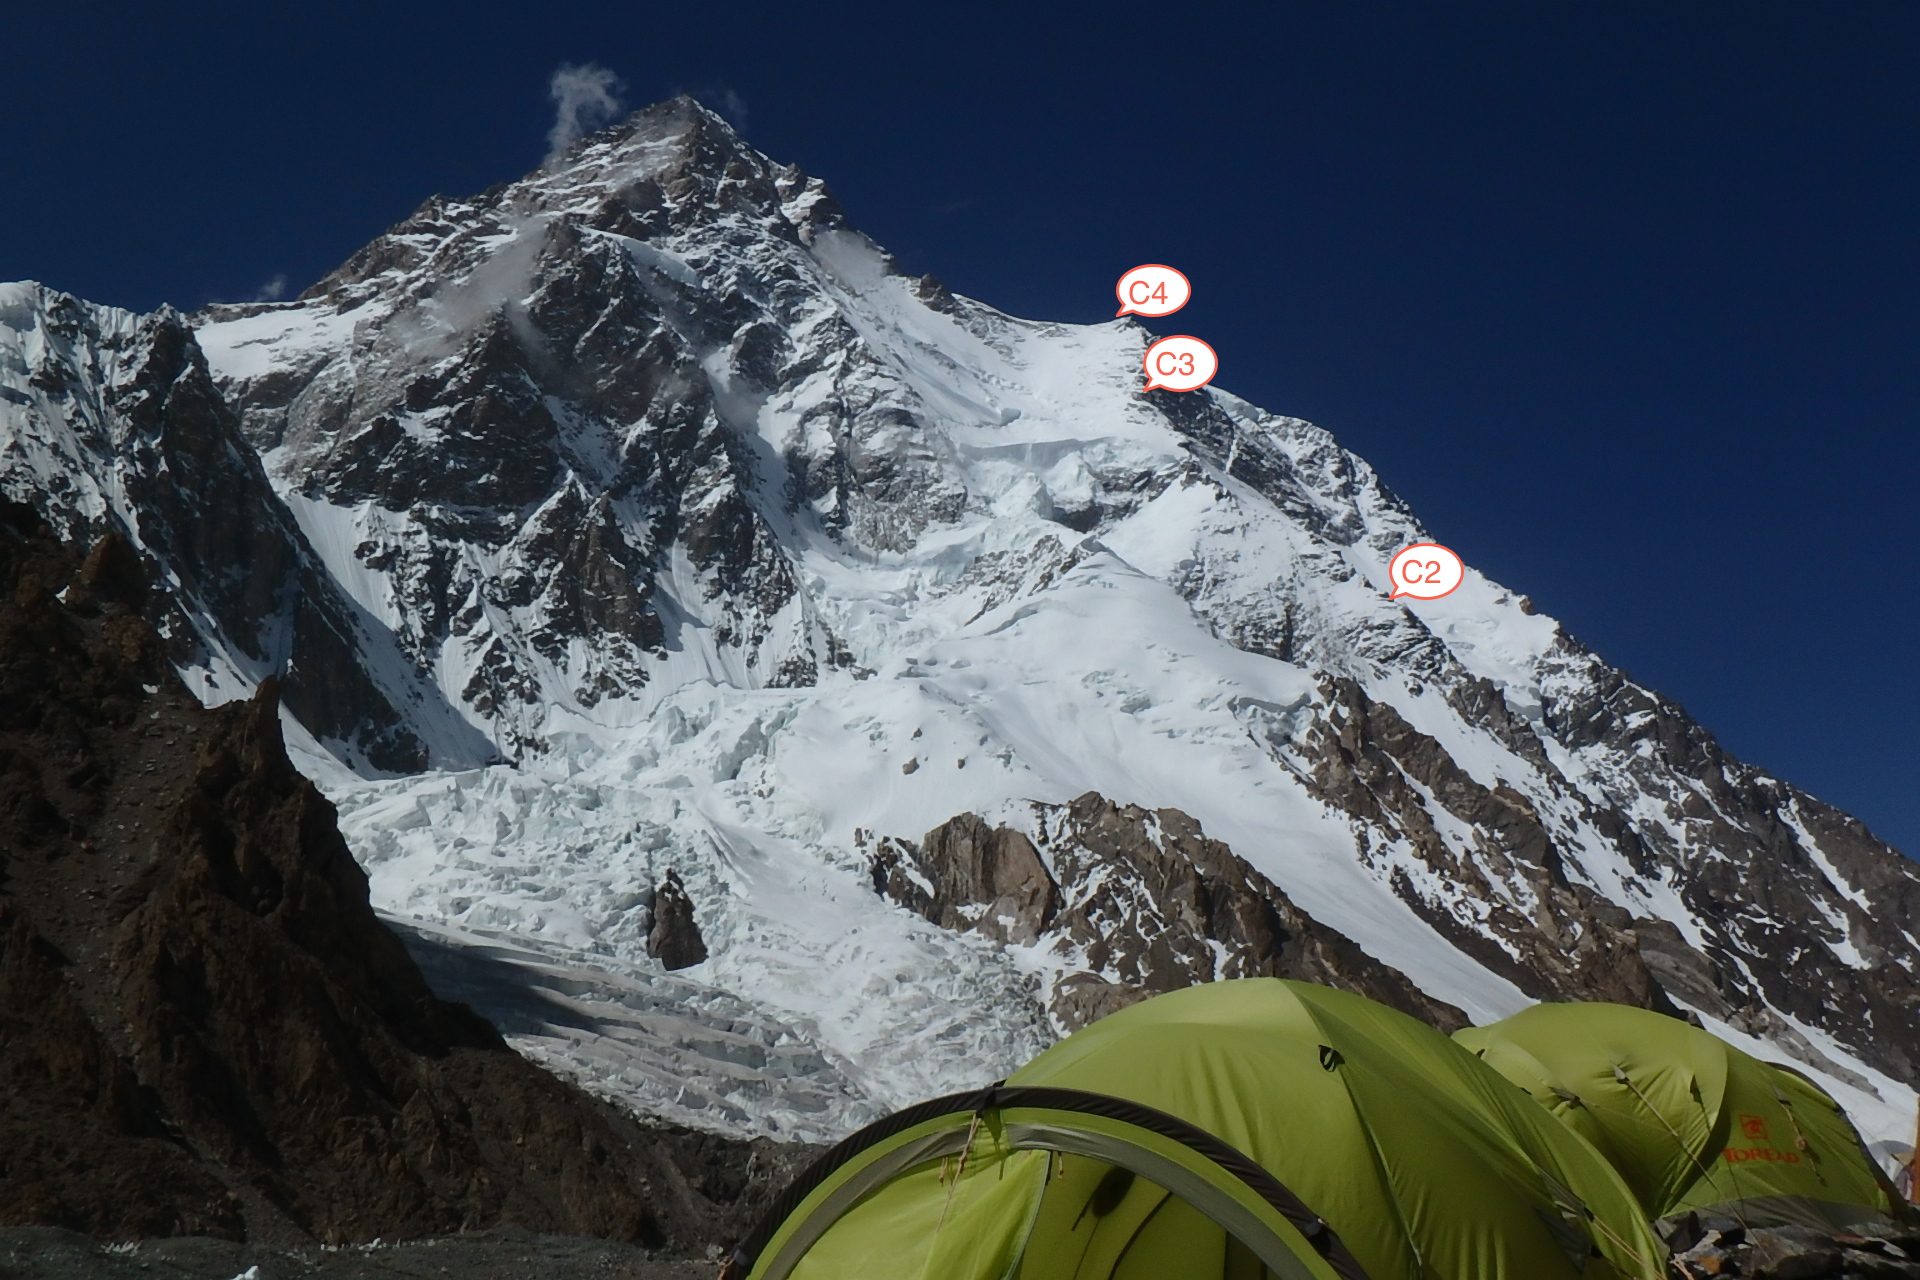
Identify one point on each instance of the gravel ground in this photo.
(505, 1253)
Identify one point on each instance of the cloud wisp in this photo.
(731, 106)
(585, 97)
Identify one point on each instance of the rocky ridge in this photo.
(1127, 904)
(203, 1028)
(114, 425)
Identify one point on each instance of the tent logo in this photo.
(1754, 1127)
(1742, 1155)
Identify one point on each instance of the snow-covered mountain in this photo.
(644, 519)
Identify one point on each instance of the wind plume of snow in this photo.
(585, 98)
(723, 98)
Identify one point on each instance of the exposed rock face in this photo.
(85, 1146)
(1512, 905)
(578, 416)
(987, 879)
(206, 1028)
(84, 1143)
(1750, 839)
(1572, 945)
(1128, 903)
(674, 937)
(114, 425)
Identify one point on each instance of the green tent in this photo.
(1692, 1123)
(1238, 1130)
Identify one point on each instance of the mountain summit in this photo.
(688, 582)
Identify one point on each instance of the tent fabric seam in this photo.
(999, 1096)
(1174, 1180)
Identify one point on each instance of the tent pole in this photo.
(1913, 1158)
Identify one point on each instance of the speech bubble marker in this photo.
(1425, 571)
(1180, 363)
(1152, 290)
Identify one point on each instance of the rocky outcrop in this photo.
(1127, 903)
(84, 1143)
(1628, 807)
(674, 937)
(114, 426)
(86, 1147)
(1513, 907)
(1512, 899)
(967, 875)
(206, 1029)
(1800, 1253)
(1803, 912)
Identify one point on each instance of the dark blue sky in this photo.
(1623, 297)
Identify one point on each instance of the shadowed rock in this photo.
(206, 1030)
